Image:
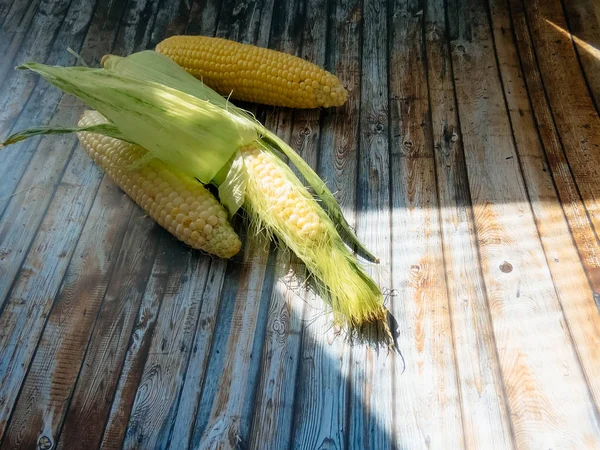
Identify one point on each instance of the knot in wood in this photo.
(305, 131)
(44, 443)
(408, 145)
(506, 267)
(379, 128)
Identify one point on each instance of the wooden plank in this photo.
(483, 404)
(86, 416)
(26, 208)
(31, 298)
(196, 371)
(5, 7)
(583, 19)
(88, 409)
(321, 399)
(248, 22)
(133, 365)
(371, 373)
(273, 412)
(575, 116)
(204, 17)
(70, 206)
(157, 395)
(575, 294)
(227, 411)
(55, 26)
(427, 394)
(223, 427)
(57, 360)
(13, 30)
(581, 228)
(171, 19)
(534, 346)
(136, 356)
(74, 331)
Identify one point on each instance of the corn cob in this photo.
(288, 203)
(279, 204)
(255, 74)
(176, 201)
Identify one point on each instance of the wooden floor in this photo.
(468, 158)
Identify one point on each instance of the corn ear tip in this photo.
(104, 58)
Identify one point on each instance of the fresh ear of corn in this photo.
(274, 198)
(176, 201)
(279, 204)
(255, 74)
(151, 66)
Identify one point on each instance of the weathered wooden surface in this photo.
(466, 158)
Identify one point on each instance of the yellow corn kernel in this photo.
(255, 74)
(176, 201)
(292, 209)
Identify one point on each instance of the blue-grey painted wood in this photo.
(517, 278)
(577, 247)
(24, 193)
(50, 253)
(427, 396)
(320, 418)
(483, 401)
(161, 343)
(275, 401)
(24, 98)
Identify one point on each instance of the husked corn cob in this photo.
(291, 208)
(176, 201)
(253, 73)
(278, 203)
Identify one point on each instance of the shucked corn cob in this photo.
(255, 74)
(278, 203)
(176, 201)
(289, 205)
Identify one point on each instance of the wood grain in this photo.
(72, 200)
(25, 209)
(192, 389)
(583, 19)
(561, 247)
(76, 332)
(575, 116)
(322, 392)
(371, 399)
(132, 367)
(581, 228)
(522, 297)
(47, 387)
(24, 98)
(97, 379)
(30, 300)
(228, 414)
(430, 408)
(274, 404)
(472, 176)
(275, 400)
(157, 396)
(483, 403)
(15, 19)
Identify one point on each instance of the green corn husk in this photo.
(193, 135)
(152, 102)
(151, 66)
